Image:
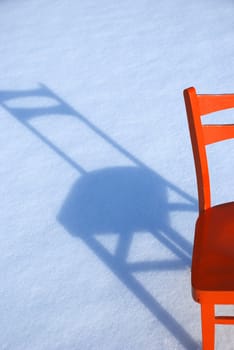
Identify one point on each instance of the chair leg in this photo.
(208, 326)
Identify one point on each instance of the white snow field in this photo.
(98, 192)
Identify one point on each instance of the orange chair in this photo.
(213, 252)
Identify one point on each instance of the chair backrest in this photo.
(205, 134)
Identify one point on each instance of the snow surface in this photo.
(98, 192)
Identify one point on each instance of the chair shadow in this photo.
(124, 201)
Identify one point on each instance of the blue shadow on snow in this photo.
(120, 200)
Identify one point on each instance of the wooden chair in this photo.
(212, 275)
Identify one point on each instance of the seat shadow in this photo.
(124, 201)
(115, 200)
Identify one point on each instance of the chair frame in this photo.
(202, 135)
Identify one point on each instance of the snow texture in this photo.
(98, 192)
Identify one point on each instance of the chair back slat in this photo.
(213, 103)
(216, 132)
(205, 134)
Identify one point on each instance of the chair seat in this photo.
(213, 252)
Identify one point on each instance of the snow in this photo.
(98, 192)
